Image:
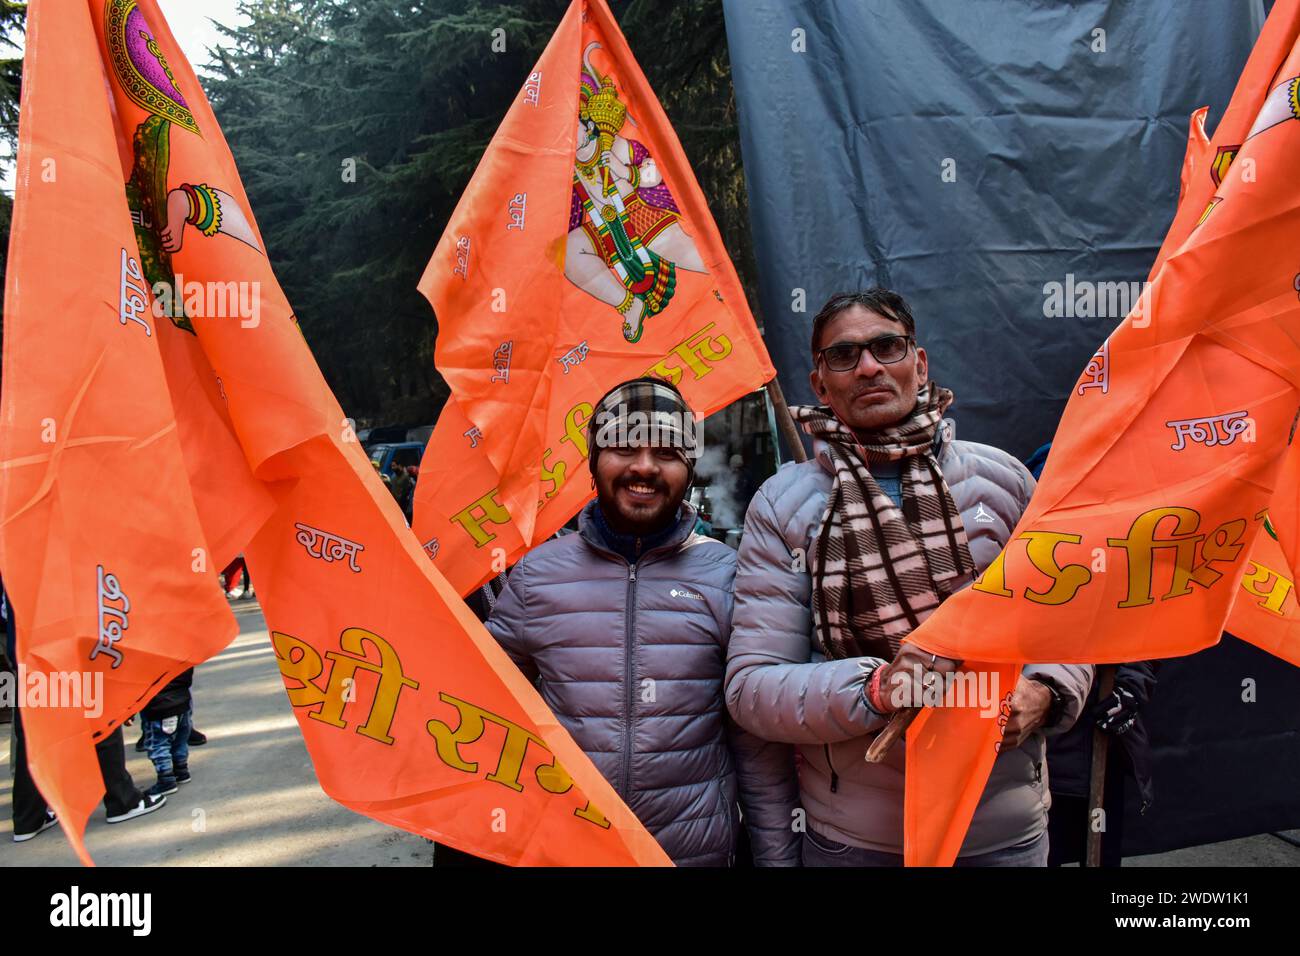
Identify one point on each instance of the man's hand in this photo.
(1029, 706)
(905, 678)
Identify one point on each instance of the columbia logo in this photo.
(982, 515)
(682, 592)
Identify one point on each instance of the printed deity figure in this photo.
(625, 241)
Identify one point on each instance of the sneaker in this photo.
(50, 820)
(182, 774)
(197, 738)
(163, 787)
(148, 804)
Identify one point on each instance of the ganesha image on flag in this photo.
(160, 214)
(625, 241)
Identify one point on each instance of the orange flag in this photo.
(582, 254)
(410, 711)
(103, 555)
(1151, 507)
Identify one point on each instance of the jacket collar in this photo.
(593, 531)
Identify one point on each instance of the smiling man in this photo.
(624, 626)
(842, 557)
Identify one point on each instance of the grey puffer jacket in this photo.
(781, 688)
(631, 659)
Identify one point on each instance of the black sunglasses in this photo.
(844, 356)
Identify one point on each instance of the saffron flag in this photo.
(1265, 611)
(410, 711)
(1151, 508)
(103, 554)
(581, 254)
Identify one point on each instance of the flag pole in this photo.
(1097, 773)
(785, 421)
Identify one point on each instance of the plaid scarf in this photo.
(878, 572)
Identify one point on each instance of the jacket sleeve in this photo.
(772, 689)
(508, 620)
(769, 796)
(1074, 681)
(767, 782)
(1139, 678)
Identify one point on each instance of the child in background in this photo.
(167, 733)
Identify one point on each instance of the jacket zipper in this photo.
(835, 778)
(629, 635)
(628, 638)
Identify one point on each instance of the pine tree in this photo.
(356, 127)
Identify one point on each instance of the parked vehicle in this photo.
(394, 435)
(383, 434)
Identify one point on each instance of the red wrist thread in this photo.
(873, 690)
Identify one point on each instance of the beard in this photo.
(638, 505)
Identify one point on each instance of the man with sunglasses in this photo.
(842, 557)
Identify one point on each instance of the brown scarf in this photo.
(877, 571)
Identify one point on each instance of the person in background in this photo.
(401, 485)
(1069, 760)
(32, 816)
(167, 719)
(407, 501)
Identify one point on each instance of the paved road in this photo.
(254, 800)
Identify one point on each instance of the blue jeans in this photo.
(168, 751)
(823, 851)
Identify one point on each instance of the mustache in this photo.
(871, 387)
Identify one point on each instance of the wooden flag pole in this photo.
(1097, 773)
(892, 734)
(785, 422)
